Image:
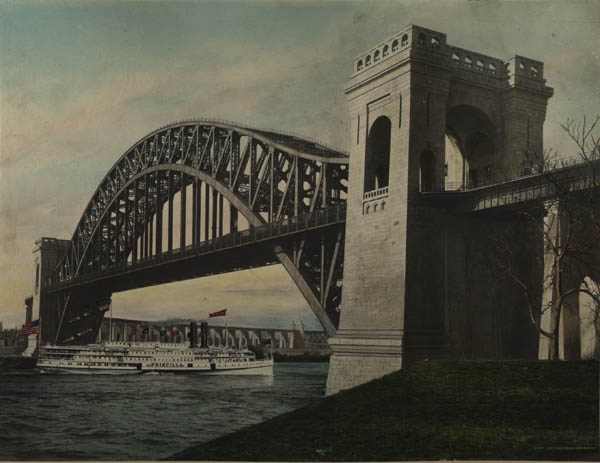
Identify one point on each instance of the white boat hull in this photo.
(262, 370)
(258, 371)
(134, 358)
(89, 371)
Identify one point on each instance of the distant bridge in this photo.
(141, 330)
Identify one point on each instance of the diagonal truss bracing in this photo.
(215, 174)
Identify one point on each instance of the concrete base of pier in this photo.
(359, 358)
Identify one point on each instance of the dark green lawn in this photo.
(435, 410)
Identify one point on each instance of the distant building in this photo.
(9, 337)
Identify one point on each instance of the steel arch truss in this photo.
(214, 175)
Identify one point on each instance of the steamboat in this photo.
(145, 357)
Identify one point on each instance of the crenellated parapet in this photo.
(526, 73)
(398, 44)
(427, 45)
(476, 62)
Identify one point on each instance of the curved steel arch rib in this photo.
(265, 176)
(253, 218)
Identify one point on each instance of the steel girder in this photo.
(267, 177)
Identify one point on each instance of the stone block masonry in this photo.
(412, 287)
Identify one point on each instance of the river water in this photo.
(140, 417)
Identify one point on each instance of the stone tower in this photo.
(424, 116)
(47, 252)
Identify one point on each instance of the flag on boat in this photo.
(30, 328)
(220, 313)
(163, 332)
(104, 305)
(266, 342)
(146, 331)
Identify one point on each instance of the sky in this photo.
(81, 81)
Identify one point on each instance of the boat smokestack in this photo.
(193, 334)
(204, 334)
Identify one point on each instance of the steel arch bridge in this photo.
(201, 197)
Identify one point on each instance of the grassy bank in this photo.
(434, 410)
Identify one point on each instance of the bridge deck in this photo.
(234, 251)
(537, 187)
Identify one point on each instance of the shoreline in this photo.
(438, 410)
(302, 355)
(17, 362)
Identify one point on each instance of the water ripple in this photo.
(140, 417)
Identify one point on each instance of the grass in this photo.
(434, 410)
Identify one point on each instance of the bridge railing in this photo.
(315, 219)
(505, 176)
(373, 194)
(533, 188)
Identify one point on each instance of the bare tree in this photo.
(567, 219)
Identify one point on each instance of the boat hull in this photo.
(259, 370)
(89, 371)
(262, 371)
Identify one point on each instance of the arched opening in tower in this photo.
(470, 150)
(377, 160)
